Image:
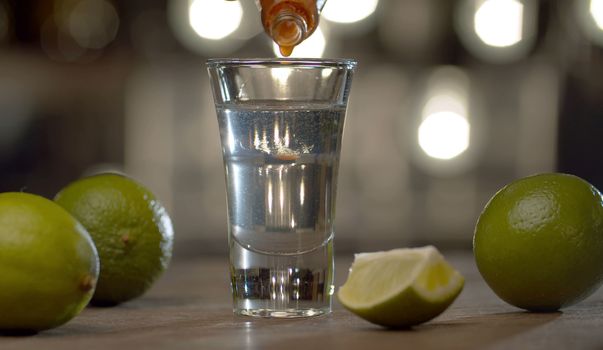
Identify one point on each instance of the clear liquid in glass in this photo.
(281, 162)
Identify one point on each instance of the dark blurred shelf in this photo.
(189, 308)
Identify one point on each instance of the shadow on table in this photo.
(465, 332)
(482, 330)
(17, 333)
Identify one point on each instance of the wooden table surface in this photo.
(190, 308)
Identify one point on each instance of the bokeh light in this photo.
(497, 31)
(214, 19)
(78, 30)
(588, 17)
(443, 131)
(93, 24)
(213, 27)
(313, 47)
(348, 11)
(444, 135)
(499, 23)
(596, 11)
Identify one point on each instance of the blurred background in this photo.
(451, 101)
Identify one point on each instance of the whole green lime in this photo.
(48, 264)
(132, 232)
(539, 241)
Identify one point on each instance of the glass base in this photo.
(288, 313)
(281, 286)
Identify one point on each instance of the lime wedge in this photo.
(401, 287)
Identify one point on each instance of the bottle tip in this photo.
(286, 50)
(287, 31)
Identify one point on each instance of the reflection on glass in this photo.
(272, 177)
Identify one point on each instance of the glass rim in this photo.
(270, 62)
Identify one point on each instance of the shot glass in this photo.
(281, 124)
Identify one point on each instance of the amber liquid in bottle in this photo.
(289, 22)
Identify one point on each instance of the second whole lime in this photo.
(539, 242)
(48, 264)
(131, 230)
